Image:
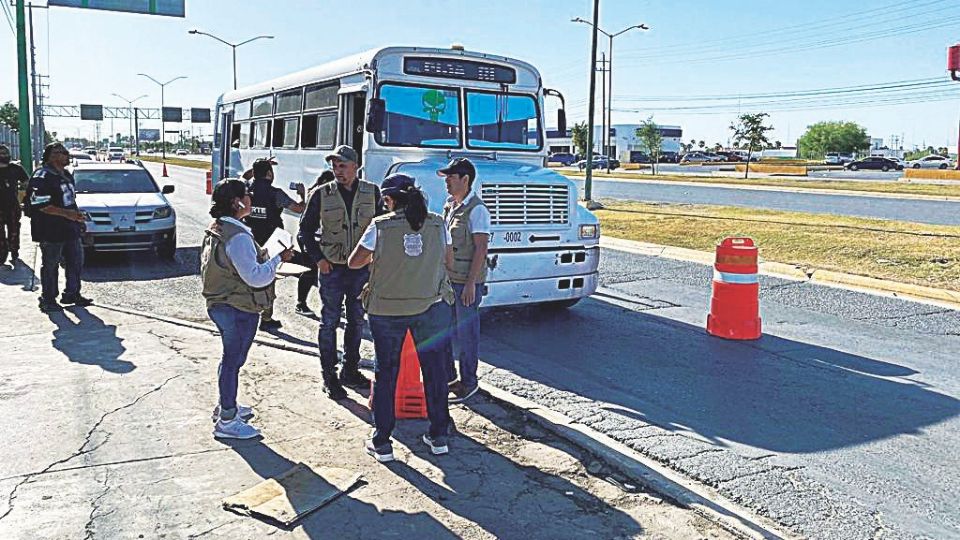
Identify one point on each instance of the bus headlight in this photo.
(589, 231)
(162, 212)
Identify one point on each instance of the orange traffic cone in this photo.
(411, 401)
(165, 169)
(735, 305)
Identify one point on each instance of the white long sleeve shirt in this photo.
(242, 251)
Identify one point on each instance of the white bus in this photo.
(410, 110)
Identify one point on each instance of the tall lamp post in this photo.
(163, 131)
(232, 46)
(953, 66)
(130, 102)
(605, 138)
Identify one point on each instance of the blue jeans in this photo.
(341, 286)
(429, 331)
(237, 329)
(71, 252)
(465, 337)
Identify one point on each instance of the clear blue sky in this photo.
(694, 48)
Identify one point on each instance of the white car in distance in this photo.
(932, 161)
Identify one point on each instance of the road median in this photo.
(192, 163)
(922, 261)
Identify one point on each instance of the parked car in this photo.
(731, 156)
(125, 210)
(874, 163)
(600, 162)
(696, 157)
(92, 150)
(564, 158)
(181, 152)
(668, 157)
(931, 162)
(114, 152)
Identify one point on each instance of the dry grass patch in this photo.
(205, 165)
(926, 255)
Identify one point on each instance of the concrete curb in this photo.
(881, 287)
(658, 478)
(662, 480)
(783, 189)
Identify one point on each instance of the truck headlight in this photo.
(162, 212)
(589, 231)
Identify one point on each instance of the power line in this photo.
(6, 11)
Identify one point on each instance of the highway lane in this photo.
(901, 209)
(846, 411)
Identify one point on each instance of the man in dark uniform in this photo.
(337, 214)
(266, 211)
(12, 179)
(56, 223)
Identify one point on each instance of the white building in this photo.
(623, 138)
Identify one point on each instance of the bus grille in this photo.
(527, 204)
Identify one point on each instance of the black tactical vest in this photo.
(264, 216)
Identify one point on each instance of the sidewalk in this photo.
(110, 437)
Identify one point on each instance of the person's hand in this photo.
(77, 216)
(286, 255)
(324, 266)
(469, 293)
(301, 191)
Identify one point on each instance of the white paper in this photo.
(279, 241)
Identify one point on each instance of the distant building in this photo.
(623, 138)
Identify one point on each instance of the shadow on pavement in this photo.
(89, 340)
(345, 516)
(774, 393)
(140, 265)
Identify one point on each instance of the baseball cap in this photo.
(461, 166)
(342, 152)
(396, 183)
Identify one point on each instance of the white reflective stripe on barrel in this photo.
(730, 277)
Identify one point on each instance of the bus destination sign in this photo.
(459, 69)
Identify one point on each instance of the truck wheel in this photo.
(559, 304)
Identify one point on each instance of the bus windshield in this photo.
(420, 116)
(502, 121)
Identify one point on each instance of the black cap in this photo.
(396, 183)
(344, 153)
(461, 166)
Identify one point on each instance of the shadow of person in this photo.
(345, 517)
(89, 340)
(510, 499)
(18, 272)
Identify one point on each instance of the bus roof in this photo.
(349, 65)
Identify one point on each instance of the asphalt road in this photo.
(841, 422)
(919, 211)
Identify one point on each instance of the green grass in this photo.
(926, 255)
(905, 188)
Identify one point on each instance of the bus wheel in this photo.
(559, 304)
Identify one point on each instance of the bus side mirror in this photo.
(376, 112)
(562, 122)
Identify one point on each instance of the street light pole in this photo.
(130, 103)
(232, 46)
(163, 131)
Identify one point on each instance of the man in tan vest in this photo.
(337, 214)
(468, 221)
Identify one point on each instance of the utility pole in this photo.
(604, 129)
(588, 181)
(26, 151)
(38, 138)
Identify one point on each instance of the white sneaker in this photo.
(234, 429)
(245, 413)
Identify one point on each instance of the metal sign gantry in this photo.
(126, 113)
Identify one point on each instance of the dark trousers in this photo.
(341, 286)
(465, 337)
(9, 232)
(430, 334)
(307, 280)
(237, 330)
(51, 253)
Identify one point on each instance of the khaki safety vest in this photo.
(222, 283)
(341, 233)
(407, 274)
(463, 246)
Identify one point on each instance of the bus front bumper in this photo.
(519, 277)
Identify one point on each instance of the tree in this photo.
(579, 135)
(702, 144)
(749, 129)
(650, 140)
(9, 115)
(717, 147)
(823, 137)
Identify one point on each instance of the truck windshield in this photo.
(502, 121)
(420, 116)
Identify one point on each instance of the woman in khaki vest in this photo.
(236, 275)
(408, 249)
